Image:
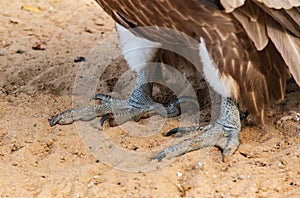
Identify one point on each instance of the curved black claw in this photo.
(55, 120)
(105, 117)
(103, 97)
(172, 132)
(110, 118)
(181, 131)
(244, 115)
(61, 118)
(100, 96)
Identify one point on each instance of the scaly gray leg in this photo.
(118, 111)
(223, 133)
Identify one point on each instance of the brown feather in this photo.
(294, 14)
(279, 4)
(283, 18)
(283, 28)
(288, 45)
(232, 40)
(230, 5)
(253, 21)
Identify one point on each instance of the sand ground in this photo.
(39, 41)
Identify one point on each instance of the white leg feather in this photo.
(223, 84)
(136, 51)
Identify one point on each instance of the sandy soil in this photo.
(39, 41)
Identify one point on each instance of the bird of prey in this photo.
(248, 49)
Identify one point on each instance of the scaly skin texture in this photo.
(118, 111)
(223, 133)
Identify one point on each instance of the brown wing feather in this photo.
(280, 4)
(282, 16)
(249, 16)
(230, 5)
(261, 75)
(281, 26)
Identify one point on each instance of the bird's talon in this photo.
(61, 118)
(182, 131)
(109, 117)
(160, 156)
(104, 118)
(54, 120)
(171, 132)
(102, 97)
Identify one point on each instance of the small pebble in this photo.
(200, 164)
(179, 174)
(37, 46)
(91, 184)
(20, 51)
(79, 59)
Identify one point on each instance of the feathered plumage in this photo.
(256, 42)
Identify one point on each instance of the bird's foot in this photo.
(223, 133)
(117, 111)
(214, 134)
